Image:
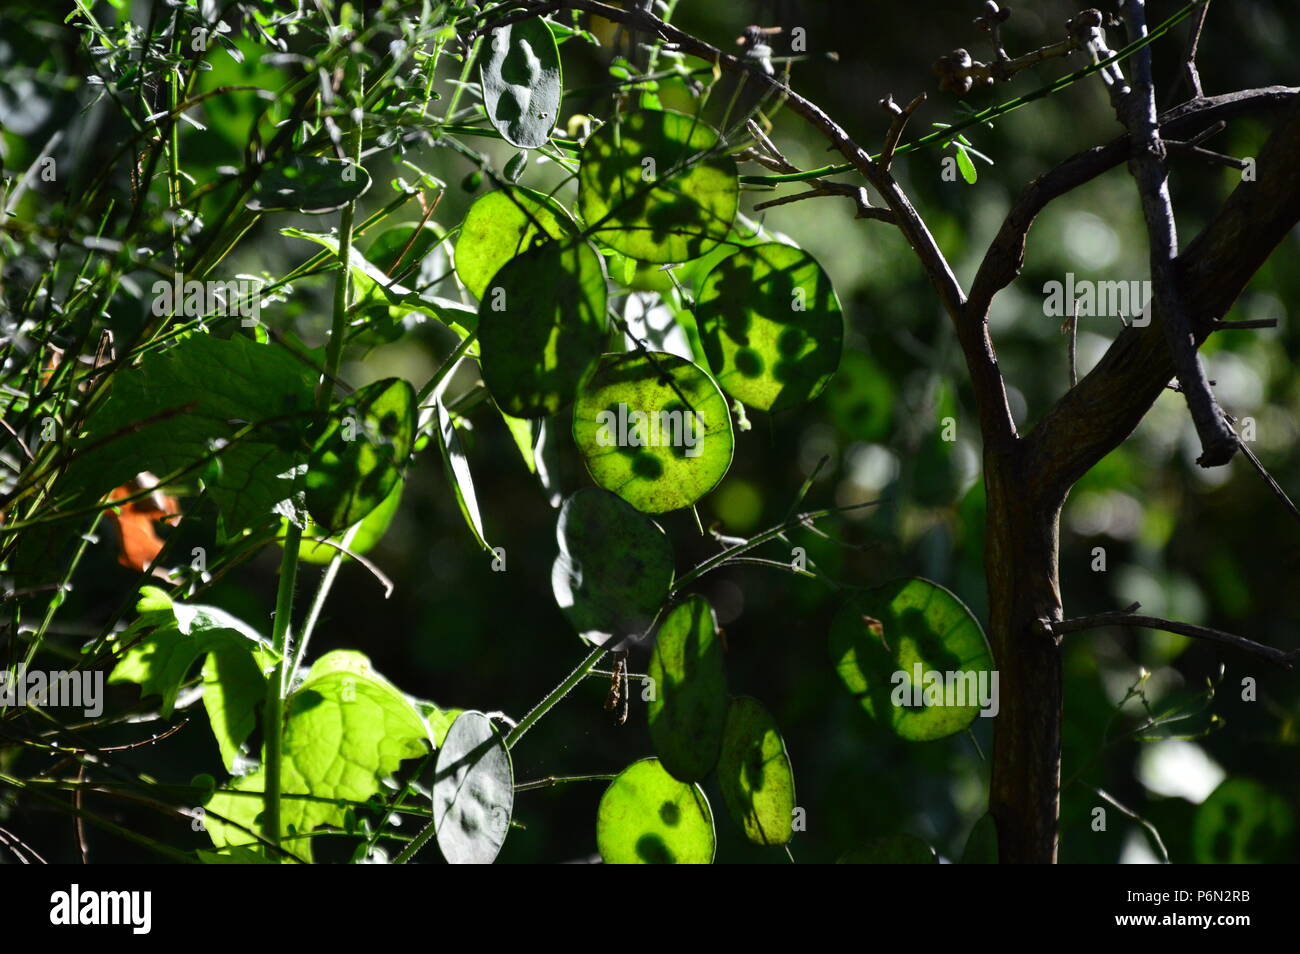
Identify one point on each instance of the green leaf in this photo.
(373, 527)
(541, 324)
(880, 635)
(440, 720)
(654, 429)
(689, 707)
(234, 690)
(965, 164)
(522, 82)
(1242, 822)
(357, 461)
(982, 843)
(310, 184)
(521, 431)
(771, 326)
(457, 467)
(346, 731)
(655, 188)
(647, 817)
(473, 791)
(614, 569)
(891, 850)
(754, 774)
(177, 407)
(368, 279)
(236, 657)
(397, 249)
(500, 225)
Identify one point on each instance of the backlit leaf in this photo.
(647, 817)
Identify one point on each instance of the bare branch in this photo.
(1077, 624)
(1136, 108)
(901, 115)
(1005, 256)
(857, 193)
(1095, 417)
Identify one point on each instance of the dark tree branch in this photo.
(1006, 254)
(1137, 111)
(901, 115)
(1078, 624)
(1092, 419)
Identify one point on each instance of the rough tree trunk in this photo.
(1020, 555)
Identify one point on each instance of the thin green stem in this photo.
(555, 695)
(513, 736)
(273, 710)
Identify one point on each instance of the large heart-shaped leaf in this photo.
(311, 184)
(357, 460)
(771, 326)
(181, 405)
(689, 707)
(655, 187)
(654, 429)
(881, 639)
(754, 774)
(647, 817)
(522, 82)
(541, 324)
(614, 569)
(347, 729)
(473, 791)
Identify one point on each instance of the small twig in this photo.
(1218, 158)
(857, 193)
(901, 115)
(1078, 624)
(1273, 485)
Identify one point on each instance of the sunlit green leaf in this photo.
(879, 638)
(689, 707)
(653, 186)
(648, 817)
(771, 326)
(458, 474)
(754, 774)
(347, 729)
(371, 530)
(653, 428)
(499, 226)
(541, 323)
(357, 460)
